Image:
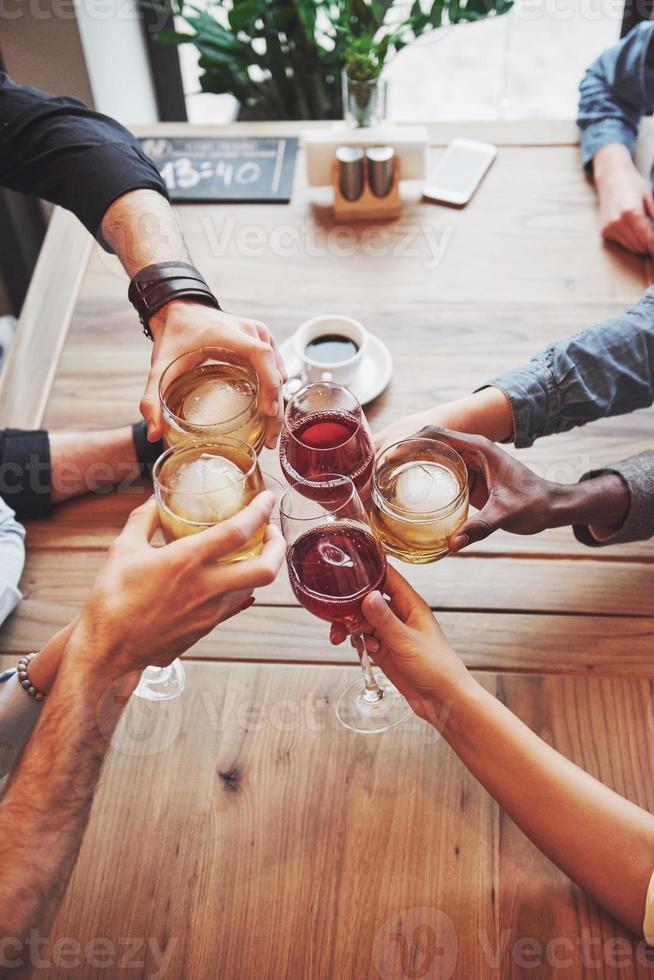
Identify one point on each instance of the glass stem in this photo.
(372, 693)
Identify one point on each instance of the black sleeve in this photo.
(59, 149)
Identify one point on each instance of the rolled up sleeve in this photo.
(638, 474)
(615, 92)
(58, 149)
(603, 371)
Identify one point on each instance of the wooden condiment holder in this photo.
(367, 207)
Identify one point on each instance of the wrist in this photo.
(485, 413)
(602, 501)
(174, 316)
(458, 711)
(99, 659)
(610, 164)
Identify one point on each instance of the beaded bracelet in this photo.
(23, 677)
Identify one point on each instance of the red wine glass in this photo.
(334, 561)
(325, 431)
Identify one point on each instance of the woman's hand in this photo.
(149, 605)
(181, 327)
(625, 200)
(404, 639)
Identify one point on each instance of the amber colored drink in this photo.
(199, 485)
(213, 399)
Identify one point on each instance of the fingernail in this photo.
(274, 405)
(461, 541)
(376, 601)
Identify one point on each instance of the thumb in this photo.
(150, 406)
(381, 617)
(476, 528)
(141, 523)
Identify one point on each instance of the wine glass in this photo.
(196, 486)
(334, 561)
(210, 393)
(325, 431)
(419, 499)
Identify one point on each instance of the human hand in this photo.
(182, 326)
(625, 200)
(149, 605)
(405, 640)
(507, 494)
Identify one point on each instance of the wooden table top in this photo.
(239, 829)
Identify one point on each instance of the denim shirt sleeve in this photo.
(605, 370)
(615, 92)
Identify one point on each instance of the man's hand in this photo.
(512, 497)
(507, 494)
(149, 605)
(625, 200)
(180, 327)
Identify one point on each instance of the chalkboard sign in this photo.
(225, 168)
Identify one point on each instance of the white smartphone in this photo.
(458, 173)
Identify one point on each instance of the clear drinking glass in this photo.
(196, 486)
(419, 499)
(334, 561)
(325, 431)
(210, 393)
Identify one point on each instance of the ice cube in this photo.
(207, 489)
(422, 487)
(213, 402)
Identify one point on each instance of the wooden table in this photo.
(239, 828)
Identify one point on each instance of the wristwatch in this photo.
(158, 284)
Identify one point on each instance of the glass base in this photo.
(161, 683)
(356, 712)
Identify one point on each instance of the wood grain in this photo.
(459, 583)
(520, 642)
(283, 846)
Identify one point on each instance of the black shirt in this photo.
(59, 149)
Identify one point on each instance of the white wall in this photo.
(116, 59)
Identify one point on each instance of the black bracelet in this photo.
(158, 284)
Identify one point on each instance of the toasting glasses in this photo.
(198, 485)
(325, 431)
(334, 561)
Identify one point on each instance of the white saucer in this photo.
(374, 372)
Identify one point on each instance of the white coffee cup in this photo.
(342, 372)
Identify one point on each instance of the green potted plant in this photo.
(283, 59)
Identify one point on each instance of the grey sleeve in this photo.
(18, 715)
(638, 474)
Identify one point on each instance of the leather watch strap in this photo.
(158, 284)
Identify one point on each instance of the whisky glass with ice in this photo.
(419, 499)
(210, 393)
(198, 485)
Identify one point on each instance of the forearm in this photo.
(574, 819)
(142, 229)
(87, 462)
(51, 804)
(611, 163)
(485, 413)
(44, 668)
